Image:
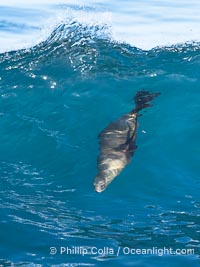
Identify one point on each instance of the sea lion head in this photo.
(99, 184)
(103, 179)
(108, 169)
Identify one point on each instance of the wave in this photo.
(48, 152)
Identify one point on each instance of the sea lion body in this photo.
(117, 142)
(117, 145)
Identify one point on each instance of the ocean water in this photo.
(56, 95)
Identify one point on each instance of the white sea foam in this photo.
(141, 23)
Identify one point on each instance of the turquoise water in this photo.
(55, 98)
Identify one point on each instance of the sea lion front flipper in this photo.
(131, 132)
(131, 140)
(128, 145)
(124, 148)
(131, 149)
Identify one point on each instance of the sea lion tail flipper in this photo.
(142, 100)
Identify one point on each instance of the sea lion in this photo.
(117, 142)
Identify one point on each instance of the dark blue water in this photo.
(55, 98)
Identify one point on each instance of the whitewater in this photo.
(144, 24)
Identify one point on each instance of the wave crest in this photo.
(89, 50)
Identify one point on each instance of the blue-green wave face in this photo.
(55, 98)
